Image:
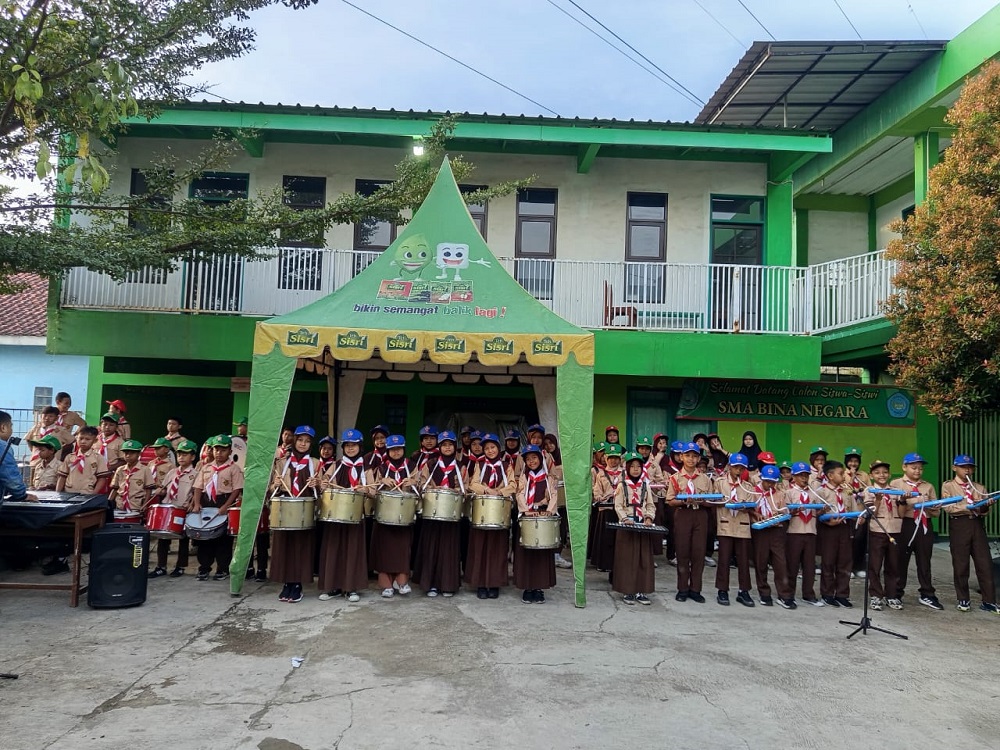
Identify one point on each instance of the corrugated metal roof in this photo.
(811, 85)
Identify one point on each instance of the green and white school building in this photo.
(731, 270)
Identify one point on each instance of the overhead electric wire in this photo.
(698, 99)
(625, 54)
(848, 19)
(720, 23)
(453, 59)
(766, 30)
(915, 18)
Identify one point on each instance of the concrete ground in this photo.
(197, 668)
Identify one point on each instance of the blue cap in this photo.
(963, 460)
(395, 441)
(536, 428)
(475, 435)
(770, 472)
(799, 467)
(428, 429)
(380, 428)
(467, 429)
(489, 437)
(531, 449)
(329, 440)
(738, 459)
(691, 448)
(352, 436)
(914, 458)
(677, 446)
(447, 435)
(512, 435)
(305, 429)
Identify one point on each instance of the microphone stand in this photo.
(866, 622)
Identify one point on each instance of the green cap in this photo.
(50, 440)
(221, 441)
(818, 449)
(187, 446)
(162, 442)
(631, 456)
(110, 417)
(242, 420)
(600, 446)
(852, 451)
(131, 445)
(644, 440)
(785, 465)
(613, 449)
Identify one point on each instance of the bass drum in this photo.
(240, 451)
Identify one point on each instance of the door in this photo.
(652, 410)
(736, 292)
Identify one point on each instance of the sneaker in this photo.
(932, 602)
(831, 601)
(843, 601)
(431, 593)
(853, 575)
(862, 574)
(494, 593)
(723, 598)
(221, 576)
(766, 601)
(818, 571)
(562, 562)
(696, 596)
(295, 595)
(404, 589)
(744, 598)
(285, 590)
(710, 562)
(250, 571)
(788, 603)
(157, 572)
(203, 575)
(328, 595)
(629, 599)
(528, 596)
(482, 593)
(964, 605)
(894, 603)
(681, 596)
(177, 572)
(645, 600)
(448, 594)
(672, 561)
(990, 608)
(387, 593)
(354, 597)
(875, 603)
(539, 596)
(395, 585)
(816, 602)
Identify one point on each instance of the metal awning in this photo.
(811, 85)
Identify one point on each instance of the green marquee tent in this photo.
(437, 293)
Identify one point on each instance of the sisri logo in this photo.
(450, 344)
(498, 345)
(303, 337)
(351, 340)
(401, 343)
(546, 345)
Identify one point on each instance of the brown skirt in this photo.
(603, 556)
(438, 564)
(391, 548)
(633, 563)
(533, 568)
(486, 566)
(343, 563)
(292, 556)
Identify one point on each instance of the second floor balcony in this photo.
(590, 294)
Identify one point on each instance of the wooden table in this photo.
(76, 526)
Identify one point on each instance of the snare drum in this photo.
(208, 524)
(341, 506)
(293, 513)
(165, 521)
(491, 512)
(442, 504)
(128, 516)
(396, 508)
(234, 521)
(540, 532)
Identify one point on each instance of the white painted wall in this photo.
(591, 207)
(836, 234)
(887, 214)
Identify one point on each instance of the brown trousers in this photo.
(968, 538)
(729, 546)
(880, 552)
(769, 547)
(690, 536)
(800, 553)
(836, 553)
(922, 548)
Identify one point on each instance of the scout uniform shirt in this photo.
(606, 484)
(65, 423)
(886, 512)
(217, 483)
(839, 499)
(44, 475)
(973, 492)
(770, 502)
(530, 492)
(110, 448)
(179, 485)
(82, 470)
(682, 483)
(906, 509)
(491, 478)
(133, 484)
(733, 523)
(635, 500)
(803, 522)
(39, 431)
(856, 482)
(159, 468)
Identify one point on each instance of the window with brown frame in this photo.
(535, 240)
(645, 246)
(476, 210)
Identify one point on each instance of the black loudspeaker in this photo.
(119, 556)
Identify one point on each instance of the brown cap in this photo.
(876, 463)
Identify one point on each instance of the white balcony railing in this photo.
(591, 294)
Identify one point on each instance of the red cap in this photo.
(609, 428)
(766, 457)
(118, 404)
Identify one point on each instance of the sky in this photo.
(333, 54)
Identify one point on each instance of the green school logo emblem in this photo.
(450, 344)
(351, 340)
(498, 345)
(546, 345)
(401, 343)
(303, 337)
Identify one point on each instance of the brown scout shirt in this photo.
(185, 487)
(886, 512)
(140, 483)
(927, 492)
(729, 522)
(961, 508)
(44, 475)
(623, 502)
(229, 479)
(82, 472)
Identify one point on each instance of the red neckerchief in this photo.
(213, 486)
(398, 470)
(635, 497)
(473, 461)
(447, 474)
(496, 470)
(509, 458)
(806, 515)
(764, 501)
(175, 484)
(614, 476)
(79, 460)
(536, 480)
(426, 456)
(105, 443)
(918, 515)
(297, 465)
(689, 479)
(124, 489)
(152, 466)
(325, 464)
(354, 467)
(968, 489)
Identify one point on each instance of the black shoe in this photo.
(261, 575)
(250, 571)
(539, 596)
(744, 598)
(843, 601)
(157, 573)
(696, 596)
(766, 601)
(788, 603)
(831, 601)
(682, 596)
(203, 575)
(723, 598)
(177, 572)
(221, 575)
(482, 593)
(494, 593)
(932, 602)
(295, 594)
(528, 596)
(55, 566)
(285, 591)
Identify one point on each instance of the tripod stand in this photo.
(866, 622)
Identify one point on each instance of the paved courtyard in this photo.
(197, 668)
